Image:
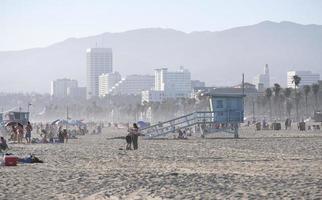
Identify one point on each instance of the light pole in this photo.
(28, 106)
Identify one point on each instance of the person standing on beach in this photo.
(20, 133)
(13, 136)
(28, 133)
(65, 136)
(135, 136)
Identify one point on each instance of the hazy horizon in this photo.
(32, 24)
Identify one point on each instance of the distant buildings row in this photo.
(102, 81)
(62, 88)
(262, 81)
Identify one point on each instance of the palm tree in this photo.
(307, 90)
(268, 95)
(315, 90)
(296, 81)
(277, 90)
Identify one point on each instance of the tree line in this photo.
(278, 103)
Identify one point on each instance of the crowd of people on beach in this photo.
(49, 133)
(18, 132)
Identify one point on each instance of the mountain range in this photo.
(218, 58)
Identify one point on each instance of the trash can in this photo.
(258, 126)
(302, 126)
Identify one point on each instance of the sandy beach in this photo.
(259, 165)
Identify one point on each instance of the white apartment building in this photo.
(107, 81)
(174, 84)
(59, 87)
(99, 61)
(262, 81)
(133, 84)
(152, 96)
(307, 78)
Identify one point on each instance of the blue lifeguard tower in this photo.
(228, 112)
(225, 114)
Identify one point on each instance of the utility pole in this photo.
(28, 106)
(243, 83)
(67, 117)
(253, 109)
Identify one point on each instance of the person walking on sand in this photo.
(28, 133)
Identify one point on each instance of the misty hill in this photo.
(219, 58)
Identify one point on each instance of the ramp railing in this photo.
(189, 120)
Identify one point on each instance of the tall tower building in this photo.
(262, 81)
(99, 61)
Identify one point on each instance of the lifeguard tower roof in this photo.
(227, 95)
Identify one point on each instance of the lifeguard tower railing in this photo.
(197, 118)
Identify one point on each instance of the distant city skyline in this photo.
(34, 23)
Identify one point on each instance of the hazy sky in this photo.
(36, 23)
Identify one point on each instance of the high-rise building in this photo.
(99, 61)
(174, 84)
(262, 79)
(307, 78)
(107, 81)
(60, 87)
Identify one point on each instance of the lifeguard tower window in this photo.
(220, 104)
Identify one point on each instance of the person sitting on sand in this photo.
(3, 144)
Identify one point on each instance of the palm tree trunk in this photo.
(306, 106)
(270, 110)
(316, 102)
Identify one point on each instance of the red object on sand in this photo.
(10, 160)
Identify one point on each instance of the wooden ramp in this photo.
(207, 121)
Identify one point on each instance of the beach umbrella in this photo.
(13, 124)
(141, 124)
(55, 122)
(60, 122)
